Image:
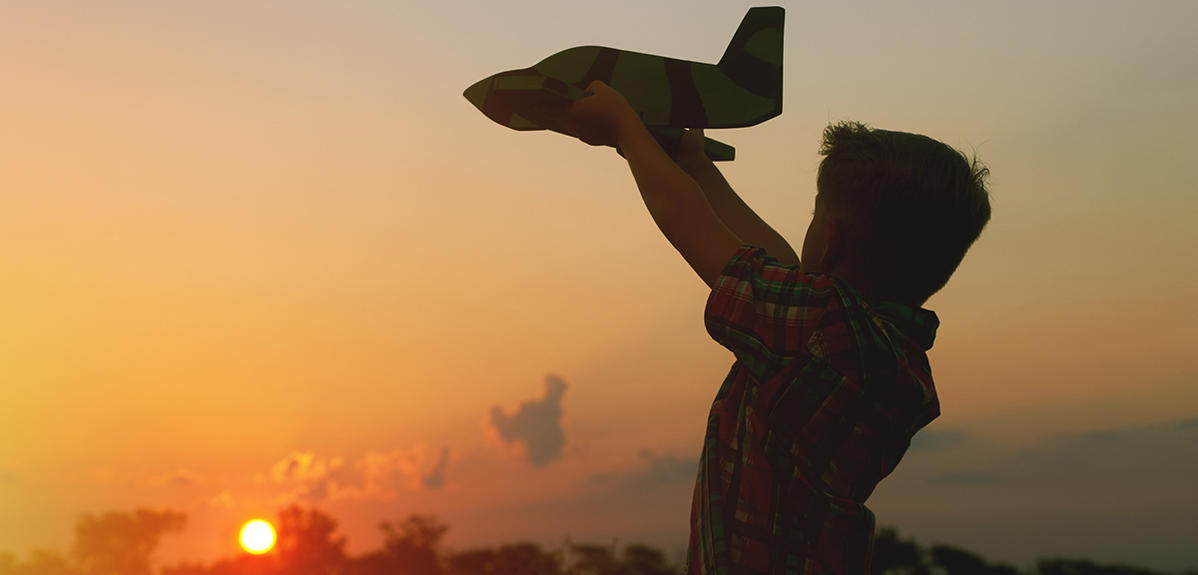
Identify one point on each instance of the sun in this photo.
(257, 536)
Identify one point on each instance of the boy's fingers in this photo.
(692, 140)
(599, 88)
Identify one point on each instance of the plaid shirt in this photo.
(821, 404)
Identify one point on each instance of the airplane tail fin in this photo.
(753, 58)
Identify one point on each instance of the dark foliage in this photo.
(1082, 567)
(309, 544)
(894, 556)
(121, 542)
(956, 561)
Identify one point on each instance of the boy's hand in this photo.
(690, 152)
(602, 118)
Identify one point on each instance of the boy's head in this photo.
(895, 212)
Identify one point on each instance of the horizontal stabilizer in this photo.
(669, 137)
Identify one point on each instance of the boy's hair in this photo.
(913, 204)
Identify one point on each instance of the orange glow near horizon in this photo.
(260, 255)
(257, 536)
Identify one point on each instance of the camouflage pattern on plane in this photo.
(743, 89)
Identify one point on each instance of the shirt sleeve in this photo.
(764, 311)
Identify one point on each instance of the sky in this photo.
(263, 253)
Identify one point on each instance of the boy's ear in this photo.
(836, 244)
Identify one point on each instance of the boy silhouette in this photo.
(831, 378)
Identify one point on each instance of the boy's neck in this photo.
(870, 290)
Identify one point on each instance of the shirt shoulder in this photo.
(764, 312)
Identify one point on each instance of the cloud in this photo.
(935, 440)
(179, 478)
(1107, 493)
(384, 473)
(964, 478)
(222, 500)
(435, 479)
(647, 500)
(1125, 455)
(303, 465)
(536, 426)
(658, 471)
(375, 476)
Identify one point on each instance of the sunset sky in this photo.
(256, 253)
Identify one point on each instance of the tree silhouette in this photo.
(240, 565)
(116, 543)
(645, 560)
(527, 558)
(895, 556)
(121, 543)
(523, 558)
(308, 544)
(956, 561)
(41, 562)
(593, 560)
(415, 545)
(1082, 567)
(474, 562)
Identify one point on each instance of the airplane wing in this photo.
(528, 101)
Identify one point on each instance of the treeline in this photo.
(896, 556)
(120, 543)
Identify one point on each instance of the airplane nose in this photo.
(477, 93)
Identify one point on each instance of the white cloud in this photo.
(375, 476)
(222, 500)
(303, 466)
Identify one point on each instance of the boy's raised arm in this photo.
(727, 204)
(675, 201)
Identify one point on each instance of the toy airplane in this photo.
(743, 89)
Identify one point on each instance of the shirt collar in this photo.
(915, 322)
